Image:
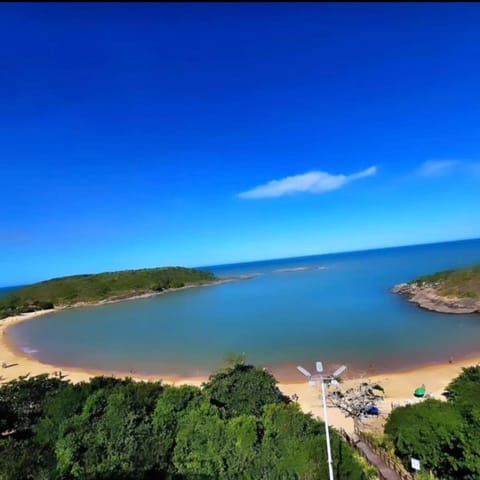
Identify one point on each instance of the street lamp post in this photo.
(312, 380)
(327, 433)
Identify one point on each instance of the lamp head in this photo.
(339, 371)
(304, 371)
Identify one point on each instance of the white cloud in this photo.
(437, 167)
(311, 182)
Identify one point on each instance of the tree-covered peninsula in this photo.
(450, 291)
(77, 289)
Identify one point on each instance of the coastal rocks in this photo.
(426, 296)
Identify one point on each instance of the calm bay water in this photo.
(338, 309)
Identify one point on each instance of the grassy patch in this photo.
(463, 283)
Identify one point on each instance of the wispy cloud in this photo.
(434, 168)
(474, 169)
(311, 182)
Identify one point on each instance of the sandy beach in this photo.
(399, 386)
(19, 364)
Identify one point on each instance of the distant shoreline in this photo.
(136, 296)
(140, 296)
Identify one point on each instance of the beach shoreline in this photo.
(20, 363)
(9, 350)
(399, 385)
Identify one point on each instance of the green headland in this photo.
(450, 291)
(462, 283)
(94, 288)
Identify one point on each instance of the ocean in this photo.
(6, 290)
(336, 308)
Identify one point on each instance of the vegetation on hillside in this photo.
(97, 287)
(463, 283)
(444, 436)
(238, 425)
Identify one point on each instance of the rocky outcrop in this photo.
(427, 296)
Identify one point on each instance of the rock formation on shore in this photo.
(426, 295)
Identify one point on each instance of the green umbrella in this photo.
(420, 391)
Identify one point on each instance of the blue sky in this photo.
(141, 135)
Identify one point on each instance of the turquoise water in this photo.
(339, 310)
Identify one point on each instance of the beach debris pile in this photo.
(357, 401)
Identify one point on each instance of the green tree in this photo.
(22, 403)
(113, 435)
(445, 436)
(464, 390)
(109, 429)
(199, 444)
(432, 431)
(21, 460)
(241, 447)
(243, 389)
(293, 446)
(172, 405)
(464, 395)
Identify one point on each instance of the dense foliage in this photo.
(464, 391)
(454, 283)
(445, 436)
(120, 429)
(243, 389)
(96, 287)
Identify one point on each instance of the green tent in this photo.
(420, 391)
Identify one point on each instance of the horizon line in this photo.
(338, 252)
(254, 261)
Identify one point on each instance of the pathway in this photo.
(386, 473)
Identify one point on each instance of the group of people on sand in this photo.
(57, 373)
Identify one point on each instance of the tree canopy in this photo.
(445, 436)
(243, 389)
(120, 429)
